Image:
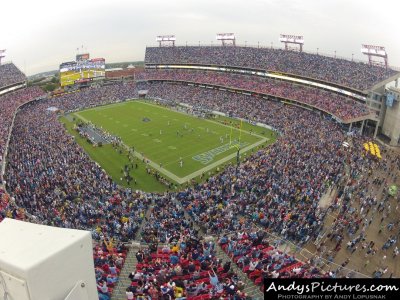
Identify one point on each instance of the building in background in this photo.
(391, 119)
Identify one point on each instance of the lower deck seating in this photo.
(188, 270)
(259, 260)
(108, 261)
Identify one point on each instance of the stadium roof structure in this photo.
(382, 83)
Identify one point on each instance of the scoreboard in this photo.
(82, 70)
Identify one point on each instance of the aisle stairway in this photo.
(250, 288)
(124, 281)
(129, 266)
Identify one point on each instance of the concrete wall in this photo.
(375, 101)
(391, 124)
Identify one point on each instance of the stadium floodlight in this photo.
(375, 51)
(2, 55)
(292, 39)
(227, 39)
(166, 40)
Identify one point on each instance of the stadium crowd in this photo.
(52, 181)
(10, 75)
(8, 209)
(165, 223)
(109, 259)
(340, 106)
(8, 106)
(348, 73)
(47, 167)
(279, 187)
(257, 258)
(55, 181)
(268, 189)
(366, 226)
(188, 269)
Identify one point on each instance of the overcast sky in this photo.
(40, 34)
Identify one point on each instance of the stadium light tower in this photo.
(227, 39)
(166, 40)
(292, 39)
(375, 51)
(2, 55)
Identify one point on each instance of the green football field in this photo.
(178, 145)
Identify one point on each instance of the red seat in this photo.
(203, 274)
(258, 281)
(254, 274)
(265, 250)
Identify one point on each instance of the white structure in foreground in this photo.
(40, 262)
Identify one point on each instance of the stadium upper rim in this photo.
(17, 84)
(374, 86)
(395, 68)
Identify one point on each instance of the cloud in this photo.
(41, 35)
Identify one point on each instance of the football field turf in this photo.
(166, 137)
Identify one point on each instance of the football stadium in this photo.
(211, 170)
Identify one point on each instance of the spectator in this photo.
(344, 72)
